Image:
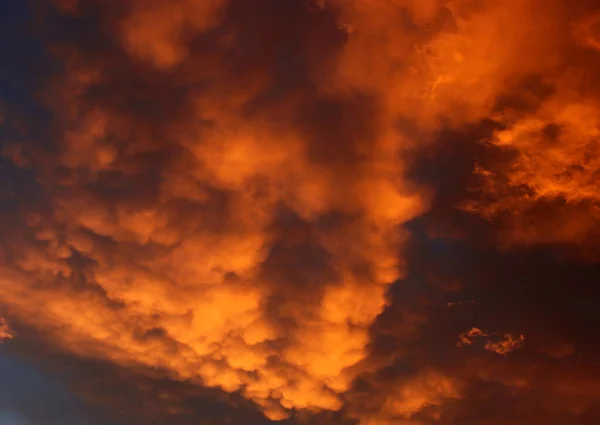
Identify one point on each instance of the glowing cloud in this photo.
(6, 332)
(503, 345)
(241, 195)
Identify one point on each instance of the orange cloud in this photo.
(180, 274)
(440, 60)
(506, 345)
(6, 332)
(229, 197)
(586, 31)
(450, 64)
(553, 165)
(502, 346)
(466, 338)
(415, 399)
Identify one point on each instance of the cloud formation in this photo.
(277, 202)
(502, 346)
(6, 333)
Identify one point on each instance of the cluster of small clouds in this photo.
(502, 345)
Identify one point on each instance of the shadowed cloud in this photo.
(310, 211)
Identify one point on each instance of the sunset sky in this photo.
(305, 212)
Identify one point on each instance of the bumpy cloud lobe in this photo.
(278, 200)
(189, 188)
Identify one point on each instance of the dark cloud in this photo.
(353, 212)
(29, 397)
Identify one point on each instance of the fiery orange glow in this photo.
(6, 332)
(502, 346)
(555, 161)
(506, 345)
(466, 338)
(237, 203)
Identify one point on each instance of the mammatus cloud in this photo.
(194, 268)
(6, 333)
(232, 195)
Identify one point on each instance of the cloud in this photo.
(30, 396)
(6, 333)
(466, 338)
(502, 346)
(506, 345)
(169, 243)
(272, 204)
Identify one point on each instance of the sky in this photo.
(347, 212)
